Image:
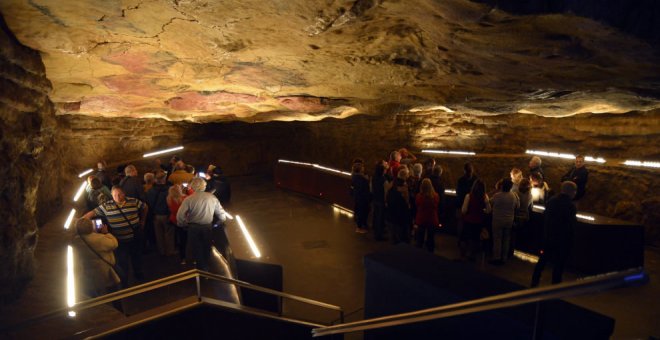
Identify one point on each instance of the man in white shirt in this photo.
(199, 212)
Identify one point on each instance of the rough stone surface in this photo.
(305, 60)
(28, 150)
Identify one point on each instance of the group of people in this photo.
(172, 208)
(408, 197)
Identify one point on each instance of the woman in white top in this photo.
(504, 205)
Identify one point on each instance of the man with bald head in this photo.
(559, 225)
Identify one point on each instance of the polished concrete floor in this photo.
(322, 260)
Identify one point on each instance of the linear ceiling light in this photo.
(162, 151)
(248, 237)
(469, 153)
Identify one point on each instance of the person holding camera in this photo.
(96, 248)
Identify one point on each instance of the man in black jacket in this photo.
(559, 225)
(578, 175)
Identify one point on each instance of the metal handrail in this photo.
(583, 286)
(162, 282)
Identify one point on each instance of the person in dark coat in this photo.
(378, 199)
(558, 227)
(398, 208)
(362, 196)
(579, 175)
(219, 186)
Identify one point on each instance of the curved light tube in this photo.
(80, 191)
(69, 219)
(70, 281)
(468, 153)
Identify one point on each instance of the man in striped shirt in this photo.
(126, 216)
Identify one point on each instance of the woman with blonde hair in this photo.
(175, 197)
(426, 218)
(97, 259)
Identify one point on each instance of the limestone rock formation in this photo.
(28, 152)
(304, 60)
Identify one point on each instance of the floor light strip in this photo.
(80, 191)
(162, 151)
(332, 170)
(248, 237)
(69, 219)
(70, 282)
(294, 162)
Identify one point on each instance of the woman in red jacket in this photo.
(426, 219)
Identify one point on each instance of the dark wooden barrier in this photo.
(602, 245)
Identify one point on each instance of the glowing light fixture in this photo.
(645, 164)
(294, 162)
(248, 237)
(162, 151)
(585, 217)
(70, 282)
(345, 211)
(80, 191)
(582, 216)
(469, 153)
(69, 219)
(332, 170)
(450, 191)
(564, 156)
(85, 172)
(536, 194)
(525, 256)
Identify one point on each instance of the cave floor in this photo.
(322, 260)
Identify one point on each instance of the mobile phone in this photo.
(98, 224)
(185, 185)
(201, 175)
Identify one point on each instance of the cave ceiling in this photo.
(250, 60)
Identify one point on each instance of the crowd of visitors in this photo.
(171, 210)
(408, 200)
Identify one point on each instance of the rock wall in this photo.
(28, 150)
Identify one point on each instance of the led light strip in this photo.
(526, 256)
(248, 237)
(294, 162)
(469, 153)
(80, 191)
(332, 170)
(342, 209)
(564, 156)
(85, 172)
(450, 191)
(645, 164)
(69, 219)
(70, 281)
(162, 151)
(582, 216)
